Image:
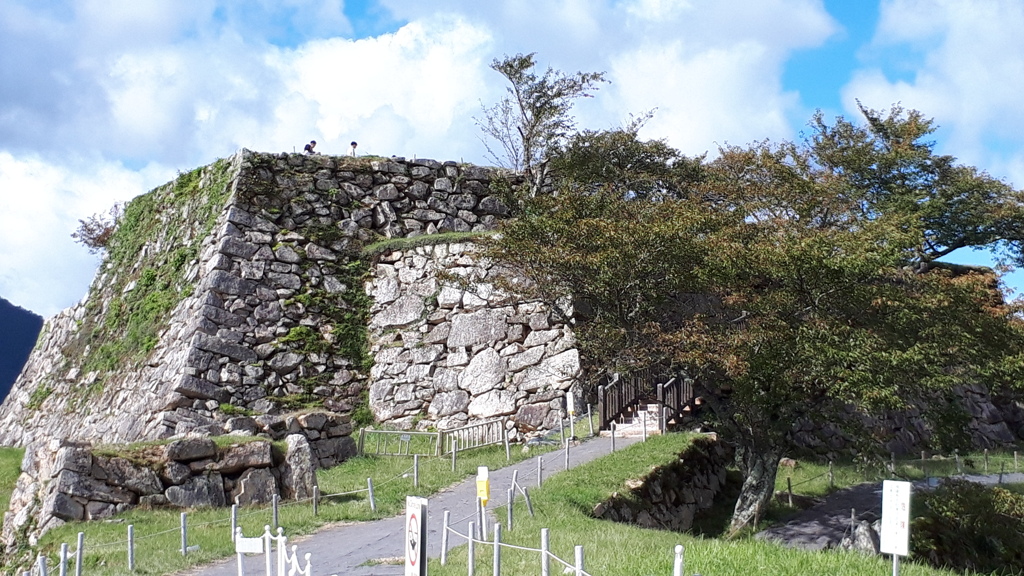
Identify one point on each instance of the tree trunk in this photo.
(759, 468)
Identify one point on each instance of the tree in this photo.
(95, 231)
(787, 281)
(533, 119)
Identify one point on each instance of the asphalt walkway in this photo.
(354, 549)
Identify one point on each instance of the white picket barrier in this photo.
(287, 564)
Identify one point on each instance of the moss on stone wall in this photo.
(146, 273)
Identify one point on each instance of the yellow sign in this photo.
(483, 485)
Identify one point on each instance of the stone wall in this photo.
(274, 309)
(671, 496)
(65, 481)
(449, 345)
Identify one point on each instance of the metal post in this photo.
(892, 463)
(924, 466)
(529, 503)
(455, 450)
(234, 521)
(561, 426)
(373, 503)
(416, 471)
(831, 476)
(579, 560)
(41, 563)
(567, 454)
(572, 426)
(789, 489)
(471, 560)
(497, 549)
(986, 460)
(444, 536)
(1002, 468)
(540, 470)
(504, 438)
(515, 479)
(184, 535)
(677, 564)
(643, 420)
(131, 548)
(274, 499)
(613, 436)
(895, 565)
(508, 521)
(959, 467)
(481, 519)
(590, 419)
(64, 559)
(545, 560)
(79, 553)
(316, 500)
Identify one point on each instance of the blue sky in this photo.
(101, 100)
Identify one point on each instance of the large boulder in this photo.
(255, 486)
(198, 492)
(298, 473)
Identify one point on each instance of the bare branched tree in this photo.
(96, 230)
(533, 119)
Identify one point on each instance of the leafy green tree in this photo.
(533, 118)
(782, 281)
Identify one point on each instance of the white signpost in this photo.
(415, 536)
(895, 537)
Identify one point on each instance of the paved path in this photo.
(823, 526)
(346, 548)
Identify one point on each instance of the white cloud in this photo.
(958, 61)
(177, 85)
(41, 267)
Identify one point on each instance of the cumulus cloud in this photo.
(41, 267)
(958, 61)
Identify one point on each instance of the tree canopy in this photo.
(793, 282)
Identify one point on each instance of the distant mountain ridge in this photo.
(19, 329)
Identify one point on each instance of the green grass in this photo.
(812, 478)
(10, 468)
(157, 531)
(564, 503)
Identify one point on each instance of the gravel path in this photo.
(824, 525)
(346, 549)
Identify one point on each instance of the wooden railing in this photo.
(621, 392)
(674, 396)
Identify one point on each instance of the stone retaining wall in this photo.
(450, 346)
(66, 481)
(671, 496)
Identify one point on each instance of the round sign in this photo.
(413, 540)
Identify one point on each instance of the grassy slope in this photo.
(563, 506)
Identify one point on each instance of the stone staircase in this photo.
(632, 423)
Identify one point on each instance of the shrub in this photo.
(966, 526)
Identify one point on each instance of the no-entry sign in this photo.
(415, 536)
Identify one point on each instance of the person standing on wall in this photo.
(352, 150)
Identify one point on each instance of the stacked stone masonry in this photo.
(80, 483)
(451, 346)
(672, 495)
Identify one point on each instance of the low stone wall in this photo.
(670, 496)
(67, 481)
